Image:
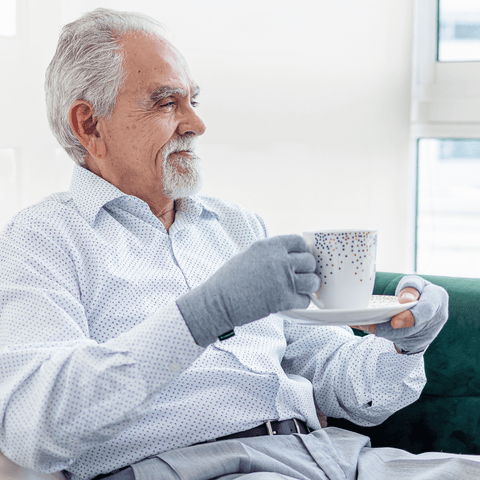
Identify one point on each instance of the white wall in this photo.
(306, 104)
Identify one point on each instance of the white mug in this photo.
(346, 265)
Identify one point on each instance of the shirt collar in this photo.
(193, 206)
(91, 192)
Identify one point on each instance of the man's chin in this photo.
(182, 191)
(182, 175)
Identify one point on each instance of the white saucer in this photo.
(380, 309)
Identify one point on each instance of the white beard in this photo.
(182, 175)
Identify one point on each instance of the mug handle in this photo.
(316, 301)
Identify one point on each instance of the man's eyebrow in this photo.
(166, 91)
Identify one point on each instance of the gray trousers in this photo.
(327, 454)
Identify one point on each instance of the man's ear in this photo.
(84, 126)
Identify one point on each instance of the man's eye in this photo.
(194, 104)
(163, 105)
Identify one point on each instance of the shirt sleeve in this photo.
(62, 392)
(361, 379)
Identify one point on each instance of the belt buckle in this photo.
(270, 430)
(297, 428)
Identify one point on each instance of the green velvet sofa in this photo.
(446, 418)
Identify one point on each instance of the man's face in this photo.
(154, 115)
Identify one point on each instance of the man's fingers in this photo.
(306, 283)
(303, 262)
(408, 295)
(403, 320)
(293, 243)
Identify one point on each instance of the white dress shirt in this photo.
(97, 367)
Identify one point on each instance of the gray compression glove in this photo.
(269, 276)
(430, 313)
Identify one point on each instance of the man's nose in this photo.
(191, 123)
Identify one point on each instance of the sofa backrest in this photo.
(447, 415)
(452, 362)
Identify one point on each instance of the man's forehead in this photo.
(143, 50)
(154, 65)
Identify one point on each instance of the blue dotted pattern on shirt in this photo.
(98, 369)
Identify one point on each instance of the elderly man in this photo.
(139, 336)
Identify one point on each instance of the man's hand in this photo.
(413, 330)
(405, 319)
(271, 275)
(402, 320)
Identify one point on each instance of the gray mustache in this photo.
(180, 145)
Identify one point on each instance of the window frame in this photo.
(445, 99)
(442, 92)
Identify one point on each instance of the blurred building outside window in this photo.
(459, 30)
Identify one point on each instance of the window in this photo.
(448, 231)
(458, 30)
(446, 131)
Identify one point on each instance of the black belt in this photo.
(273, 427)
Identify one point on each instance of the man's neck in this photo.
(160, 205)
(166, 215)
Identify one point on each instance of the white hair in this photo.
(182, 174)
(88, 65)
